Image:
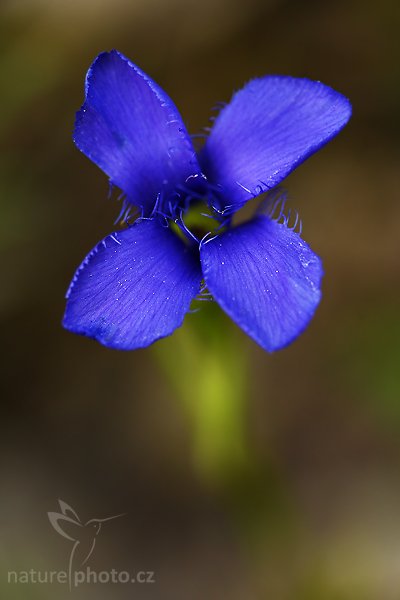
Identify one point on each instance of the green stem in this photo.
(208, 369)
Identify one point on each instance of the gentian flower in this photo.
(137, 284)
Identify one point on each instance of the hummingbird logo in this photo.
(83, 535)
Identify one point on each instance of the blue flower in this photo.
(137, 284)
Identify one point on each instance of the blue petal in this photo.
(270, 127)
(133, 288)
(132, 130)
(265, 278)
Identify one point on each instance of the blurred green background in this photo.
(243, 475)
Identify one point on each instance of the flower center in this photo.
(195, 223)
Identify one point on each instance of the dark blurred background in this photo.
(243, 475)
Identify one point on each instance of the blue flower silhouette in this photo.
(137, 284)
